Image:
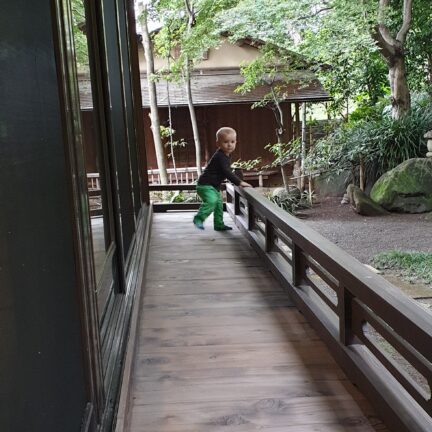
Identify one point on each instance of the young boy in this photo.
(217, 170)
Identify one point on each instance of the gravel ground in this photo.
(362, 236)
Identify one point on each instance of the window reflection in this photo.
(92, 150)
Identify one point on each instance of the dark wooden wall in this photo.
(255, 129)
(42, 382)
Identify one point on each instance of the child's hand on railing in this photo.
(244, 184)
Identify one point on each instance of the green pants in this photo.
(211, 203)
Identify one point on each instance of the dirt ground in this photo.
(362, 236)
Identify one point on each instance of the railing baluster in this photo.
(298, 265)
(251, 217)
(236, 203)
(269, 236)
(345, 300)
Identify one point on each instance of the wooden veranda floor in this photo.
(220, 347)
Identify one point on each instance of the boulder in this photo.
(406, 188)
(362, 204)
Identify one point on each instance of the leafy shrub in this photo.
(184, 197)
(292, 201)
(382, 143)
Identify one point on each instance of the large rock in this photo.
(406, 188)
(362, 204)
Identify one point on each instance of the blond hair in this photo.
(224, 131)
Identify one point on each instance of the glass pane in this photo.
(129, 108)
(119, 133)
(92, 147)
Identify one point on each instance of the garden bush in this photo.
(380, 141)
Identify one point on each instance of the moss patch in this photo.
(406, 188)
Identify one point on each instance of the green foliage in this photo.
(412, 265)
(381, 141)
(289, 203)
(418, 47)
(80, 39)
(247, 165)
(309, 197)
(184, 197)
(166, 134)
(283, 152)
(292, 201)
(191, 35)
(175, 197)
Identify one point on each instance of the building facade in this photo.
(68, 276)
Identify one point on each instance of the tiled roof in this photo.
(217, 87)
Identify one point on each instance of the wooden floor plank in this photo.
(264, 283)
(224, 335)
(221, 348)
(338, 413)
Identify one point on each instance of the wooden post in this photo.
(251, 217)
(297, 127)
(298, 268)
(289, 122)
(345, 317)
(269, 236)
(236, 203)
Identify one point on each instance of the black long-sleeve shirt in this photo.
(217, 170)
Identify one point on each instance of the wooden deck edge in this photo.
(395, 407)
(121, 423)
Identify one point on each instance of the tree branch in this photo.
(407, 18)
(316, 13)
(383, 4)
(190, 12)
(385, 41)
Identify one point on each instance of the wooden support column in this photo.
(269, 236)
(345, 316)
(289, 122)
(236, 203)
(298, 268)
(251, 217)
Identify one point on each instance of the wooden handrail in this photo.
(345, 302)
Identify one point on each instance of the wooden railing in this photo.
(159, 207)
(190, 175)
(177, 176)
(379, 336)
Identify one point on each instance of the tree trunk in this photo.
(170, 122)
(429, 69)
(193, 121)
(392, 50)
(154, 114)
(400, 93)
(191, 21)
(284, 176)
(362, 174)
(278, 113)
